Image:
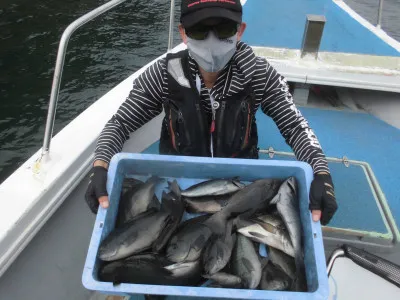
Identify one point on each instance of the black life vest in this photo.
(186, 128)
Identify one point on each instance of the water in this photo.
(100, 55)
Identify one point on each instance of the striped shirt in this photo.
(150, 89)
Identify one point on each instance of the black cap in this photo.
(194, 11)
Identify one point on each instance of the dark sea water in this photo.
(100, 55)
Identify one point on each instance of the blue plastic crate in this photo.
(190, 170)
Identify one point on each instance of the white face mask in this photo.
(212, 54)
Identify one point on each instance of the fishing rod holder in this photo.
(62, 49)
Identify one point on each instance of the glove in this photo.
(322, 197)
(96, 187)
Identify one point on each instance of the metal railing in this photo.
(375, 186)
(380, 13)
(62, 49)
(171, 25)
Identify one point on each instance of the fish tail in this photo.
(174, 188)
(166, 203)
(216, 224)
(172, 205)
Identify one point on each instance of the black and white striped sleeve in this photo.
(143, 104)
(278, 104)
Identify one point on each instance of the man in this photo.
(210, 94)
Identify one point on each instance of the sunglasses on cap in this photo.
(222, 30)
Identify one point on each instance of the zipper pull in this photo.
(212, 129)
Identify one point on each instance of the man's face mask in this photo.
(212, 46)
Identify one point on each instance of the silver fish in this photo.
(274, 278)
(139, 200)
(245, 202)
(176, 217)
(206, 204)
(137, 235)
(189, 241)
(226, 280)
(218, 251)
(245, 263)
(269, 230)
(213, 187)
(284, 261)
(287, 204)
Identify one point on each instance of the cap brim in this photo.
(210, 12)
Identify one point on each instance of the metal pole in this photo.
(62, 48)
(171, 25)
(338, 253)
(380, 13)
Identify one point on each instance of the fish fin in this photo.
(162, 240)
(199, 243)
(174, 188)
(236, 181)
(256, 234)
(154, 179)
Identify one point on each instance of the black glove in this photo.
(322, 197)
(96, 187)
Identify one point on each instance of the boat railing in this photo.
(62, 49)
(380, 13)
(171, 25)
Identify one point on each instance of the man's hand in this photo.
(322, 198)
(96, 191)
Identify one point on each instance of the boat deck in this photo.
(269, 21)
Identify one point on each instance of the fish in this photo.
(141, 269)
(188, 273)
(284, 261)
(206, 204)
(189, 240)
(269, 230)
(246, 202)
(214, 187)
(245, 262)
(137, 235)
(176, 217)
(218, 251)
(150, 269)
(287, 205)
(138, 200)
(223, 279)
(274, 278)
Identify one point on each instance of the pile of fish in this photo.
(217, 246)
